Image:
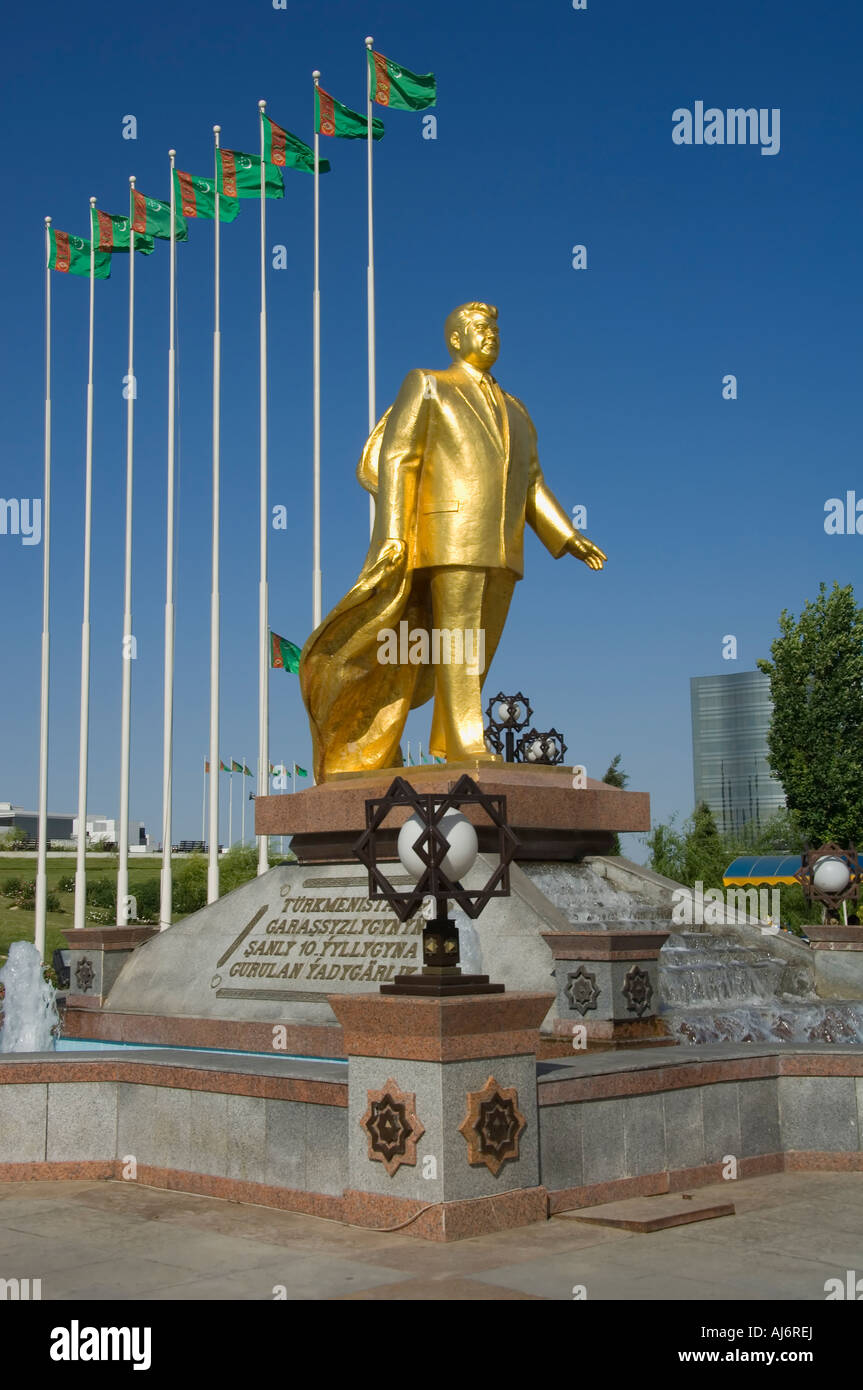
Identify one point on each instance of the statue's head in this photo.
(472, 335)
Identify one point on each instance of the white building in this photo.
(106, 828)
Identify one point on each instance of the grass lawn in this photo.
(18, 923)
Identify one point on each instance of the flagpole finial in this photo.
(262, 106)
(370, 43)
(217, 130)
(316, 74)
(172, 154)
(92, 202)
(132, 180)
(48, 221)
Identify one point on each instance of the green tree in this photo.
(705, 852)
(816, 735)
(615, 777)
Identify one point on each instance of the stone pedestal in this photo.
(442, 1112)
(98, 954)
(607, 984)
(551, 819)
(835, 936)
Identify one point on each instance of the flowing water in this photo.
(30, 1019)
(716, 989)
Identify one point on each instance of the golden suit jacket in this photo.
(456, 479)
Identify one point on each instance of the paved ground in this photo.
(101, 1240)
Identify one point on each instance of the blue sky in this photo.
(554, 129)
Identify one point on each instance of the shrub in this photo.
(238, 866)
(53, 903)
(11, 888)
(147, 897)
(102, 892)
(66, 884)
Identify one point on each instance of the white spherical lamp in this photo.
(460, 835)
(831, 874)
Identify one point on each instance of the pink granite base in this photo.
(445, 1221)
(301, 1040)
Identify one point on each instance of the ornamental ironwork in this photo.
(541, 748)
(432, 847)
(501, 731)
(806, 875)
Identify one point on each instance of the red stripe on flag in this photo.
(278, 144)
(106, 232)
(188, 201)
(63, 255)
(276, 645)
(382, 80)
(328, 113)
(139, 218)
(229, 173)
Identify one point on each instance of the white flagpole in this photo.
(84, 728)
(293, 777)
(371, 270)
(168, 698)
(316, 389)
(41, 858)
(263, 626)
(231, 806)
(243, 787)
(215, 600)
(126, 715)
(204, 808)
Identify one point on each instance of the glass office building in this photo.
(730, 719)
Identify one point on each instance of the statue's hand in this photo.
(584, 549)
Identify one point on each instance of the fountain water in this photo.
(30, 1018)
(716, 989)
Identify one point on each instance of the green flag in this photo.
(393, 85)
(287, 151)
(300, 771)
(71, 254)
(235, 766)
(283, 654)
(197, 198)
(111, 233)
(154, 218)
(331, 118)
(239, 176)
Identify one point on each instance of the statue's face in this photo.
(478, 341)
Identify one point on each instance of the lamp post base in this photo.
(442, 983)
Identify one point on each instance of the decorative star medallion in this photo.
(492, 1126)
(638, 991)
(581, 990)
(84, 974)
(392, 1126)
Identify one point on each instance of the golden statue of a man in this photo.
(454, 468)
